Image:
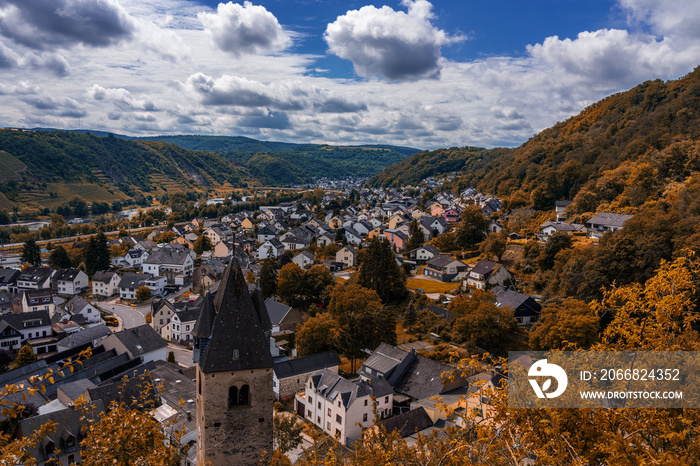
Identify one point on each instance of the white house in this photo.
(156, 285)
(181, 324)
(138, 342)
(343, 408)
(105, 283)
(35, 278)
(130, 282)
(347, 255)
(17, 328)
(78, 305)
(38, 300)
(271, 248)
(70, 281)
(169, 261)
(304, 259)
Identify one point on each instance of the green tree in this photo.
(31, 253)
(171, 357)
(96, 254)
(59, 258)
(495, 245)
(291, 285)
(564, 323)
(555, 243)
(472, 228)
(201, 244)
(482, 324)
(380, 272)
(25, 356)
(287, 432)
(316, 335)
(416, 238)
(363, 321)
(268, 278)
(143, 293)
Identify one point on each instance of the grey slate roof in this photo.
(88, 335)
(408, 423)
(438, 262)
(66, 275)
(103, 277)
(141, 340)
(15, 320)
(484, 267)
(331, 386)
(133, 280)
(609, 219)
(237, 326)
(522, 304)
(276, 311)
(168, 256)
(35, 274)
(8, 276)
(423, 378)
(205, 321)
(307, 364)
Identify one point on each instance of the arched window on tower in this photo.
(243, 395)
(232, 396)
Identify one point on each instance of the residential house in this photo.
(549, 228)
(169, 262)
(139, 342)
(486, 274)
(216, 234)
(35, 278)
(423, 253)
(446, 269)
(183, 241)
(15, 329)
(270, 249)
(156, 285)
(525, 309)
(8, 279)
(495, 227)
(282, 317)
(291, 376)
(181, 324)
(606, 221)
(161, 312)
(105, 283)
(560, 207)
(292, 243)
(266, 234)
(397, 239)
(70, 281)
(130, 282)
(224, 249)
(351, 236)
(304, 259)
(347, 255)
(132, 259)
(79, 306)
(452, 215)
(38, 300)
(6, 302)
(325, 239)
(342, 408)
(10, 260)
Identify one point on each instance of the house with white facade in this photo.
(38, 300)
(130, 282)
(342, 408)
(270, 249)
(304, 259)
(170, 261)
(79, 306)
(105, 283)
(70, 281)
(35, 278)
(15, 329)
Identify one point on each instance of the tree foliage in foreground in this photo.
(659, 315)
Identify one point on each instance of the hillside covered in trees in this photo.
(45, 168)
(617, 153)
(281, 163)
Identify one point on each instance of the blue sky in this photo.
(410, 72)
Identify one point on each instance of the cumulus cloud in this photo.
(244, 29)
(675, 18)
(122, 99)
(393, 44)
(614, 56)
(42, 24)
(63, 106)
(272, 120)
(54, 62)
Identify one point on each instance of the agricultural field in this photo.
(10, 167)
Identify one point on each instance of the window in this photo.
(232, 396)
(338, 403)
(365, 402)
(319, 405)
(308, 398)
(329, 412)
(386, 399)
(244, 395)
(338, 419)
(364, 417)
(328, 425)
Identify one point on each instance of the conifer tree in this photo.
(25, 356)
(268, 278)
(416, 238)
(31, 253)
(380, 272)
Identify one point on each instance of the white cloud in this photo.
(44, 24)
(122, 99)
(613, 57)
(669, 18)
(244, 29)
(392, 44)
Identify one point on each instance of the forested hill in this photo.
(618, 152)
(281, 163)
(44, 168)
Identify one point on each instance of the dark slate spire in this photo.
(264, 316)
(237, 338)
(205, 320)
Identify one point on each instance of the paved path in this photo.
(183, 356)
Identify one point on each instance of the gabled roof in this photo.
(133, 279)
(331, 386)
(276, 310)
(67, 275)
(87, 335)
(168, 256)
(205, 321)
(440, 261)
(141, 340)
(408, 423)
(8, 275)
(609, 219)
(307, 253)
(484, 267)
(76, 304)
(15, 320)
(313, 363)
(35, 274)
(562, 203)
(103, 277)
(522, 304)
(237, 338)
(188, 314)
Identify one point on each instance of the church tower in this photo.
(234, 376)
